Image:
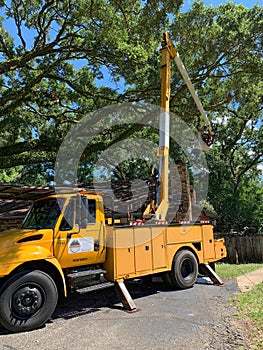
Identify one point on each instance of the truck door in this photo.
(81, 244)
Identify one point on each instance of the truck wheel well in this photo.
(184, 269)
(46, 267)
(190, 249)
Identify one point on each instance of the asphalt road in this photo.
(194, 319)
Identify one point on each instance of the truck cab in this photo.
(44, 257)
(63, 225)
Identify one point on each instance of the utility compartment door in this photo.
(143, 249)
(124, 251)
(208, 242)
(158, 246)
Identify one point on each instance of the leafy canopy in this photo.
(61, 60)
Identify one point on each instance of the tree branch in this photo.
(27, 158)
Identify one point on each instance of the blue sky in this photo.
(215, 3)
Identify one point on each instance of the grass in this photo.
(249, 304)
(233, 271)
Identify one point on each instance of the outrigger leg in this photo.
(125, 296)
(210, 272)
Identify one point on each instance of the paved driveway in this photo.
(194, 319)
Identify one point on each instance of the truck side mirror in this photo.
(76, 228)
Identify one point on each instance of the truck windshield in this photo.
(43, 214)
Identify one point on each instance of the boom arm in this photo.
(208, 138)
(169, 53)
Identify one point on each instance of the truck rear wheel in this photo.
(184, 270)
(27, 301)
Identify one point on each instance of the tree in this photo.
(58, 52)
(222, 49)
(54, 61)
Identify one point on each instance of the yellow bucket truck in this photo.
(65, 244)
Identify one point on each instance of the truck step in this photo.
(86, 273)
(95, 287)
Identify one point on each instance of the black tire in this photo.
(27, 301)
(184, 270)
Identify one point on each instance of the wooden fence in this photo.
(243, 249)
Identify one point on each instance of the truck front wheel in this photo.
(27, 301)
(184, 270)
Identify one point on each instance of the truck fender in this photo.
(29, 254)
(56, 264)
